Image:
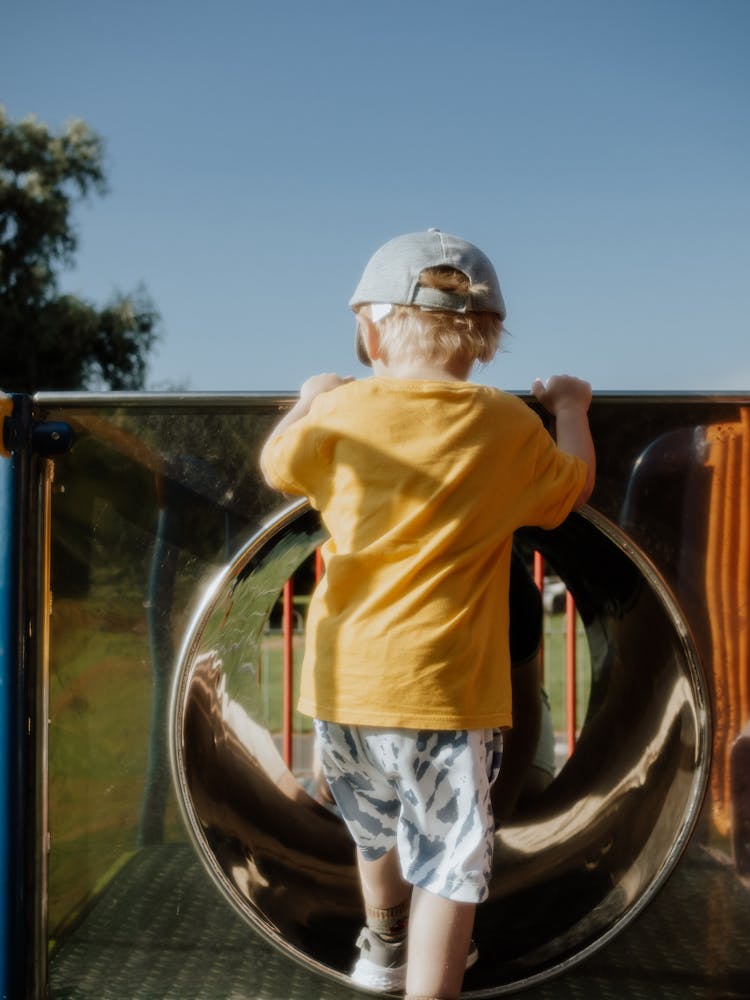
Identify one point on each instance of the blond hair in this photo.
(440, 336)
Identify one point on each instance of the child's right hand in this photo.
(563, 392)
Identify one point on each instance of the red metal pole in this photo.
(287, 624)
(539, 570)
(570, 669)
(539, 581)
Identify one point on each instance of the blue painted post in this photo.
(7, 667)
(15, 423)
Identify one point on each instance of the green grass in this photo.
(99, 710)
(272, 674)
(554, 671)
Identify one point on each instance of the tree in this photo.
(50, 340)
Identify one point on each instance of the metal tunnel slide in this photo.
(598, 843)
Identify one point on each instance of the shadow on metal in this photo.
(571, 870)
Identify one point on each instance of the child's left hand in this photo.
(311, 387)
(318, 384)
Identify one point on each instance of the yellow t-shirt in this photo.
(421, 485)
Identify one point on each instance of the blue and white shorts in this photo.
(425, 792)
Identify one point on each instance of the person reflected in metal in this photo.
(421, 479)
(237, 775)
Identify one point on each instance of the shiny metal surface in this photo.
(158, 507)
(284, 860)
(39, 731)
(147, 504)
(599, 841)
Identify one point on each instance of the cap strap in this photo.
(435, 298)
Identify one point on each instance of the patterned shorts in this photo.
(425, 792)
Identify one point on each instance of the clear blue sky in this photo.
(257, 153)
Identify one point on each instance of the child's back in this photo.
(421, 479)
(421, 485)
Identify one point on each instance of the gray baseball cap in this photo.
(392, 274)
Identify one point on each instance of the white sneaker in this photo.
(382, 964)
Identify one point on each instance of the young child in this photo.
(421, 478)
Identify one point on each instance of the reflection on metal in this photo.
(740, 789)
(282, 859)
(571, 870)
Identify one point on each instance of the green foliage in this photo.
(50, 340)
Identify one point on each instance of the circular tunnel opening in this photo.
(573, 865)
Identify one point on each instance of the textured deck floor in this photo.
(161, 931)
